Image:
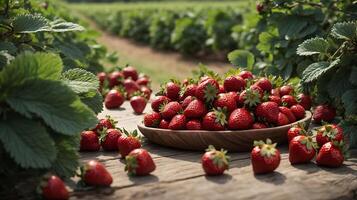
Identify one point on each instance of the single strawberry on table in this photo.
(145, 91)
(107, 122)
(331, 154)
(53, 188)
(109, 139)
(215, 162)
(89, 141)
(152, 120)
(130, 87)
(328, 133)
(143, 81)
(178, 122)
(139, 163)
(265, 157)
(296, 131)
(130, 72)
(302, 149)
(115, 78)
(240, 119)
(114, 99)
(138, 103)
(128, 142)
(95, 174)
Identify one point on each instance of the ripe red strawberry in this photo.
(305, 101)
(130, 72)
(178, 122)
(259, 125)
(189, 90)
(214, 121)
(172, 90)
(282, 119)
(268, 111)
(171, 109)
(329, 133)
(240, 119)
(265, 157)
(143, 81)
(260, 8)
(95, 174)
(146, 92)
(275, 99)
(128, 142)
(286, 90)
(152, 120)
(301, 149)
(289, 114)
(164, 124)
(331, 155)
(249, 98)
(234, 84)
(114, 99)
(298, 111)
(108, 122)
(246, 75)
(193, 124)
(101, 77)
(275, 92)
(53, 188)
(288, 100)
(235, 96)
(115, 78)
(158, 102)
(225, 100)
(138, 103)
(89, 141)
(296, 131)
(195, 109)
(215, 162)
(324, 113)
(258, 89)
(139, 163)
(221, 89)
(207, 90)
(187, 101)
(130, 87)
(109, 139)
(264, 84)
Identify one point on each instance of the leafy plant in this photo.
(161, 27)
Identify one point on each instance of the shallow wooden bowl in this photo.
(236, 141)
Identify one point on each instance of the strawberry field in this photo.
(80, 120)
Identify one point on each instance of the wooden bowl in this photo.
(235, 141)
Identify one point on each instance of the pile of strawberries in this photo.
(238, 102)
(125, 84)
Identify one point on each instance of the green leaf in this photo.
(27, 142)
(339, 83)
(290, 26)
(8, 46)
(30, 23)
(63, 26)
(345, 30)
(81, 81)
(268, 40)
(241, 58)
(353, 77)
(312, 46)
(315, 70)
(55, 103)
(349, 100)
(95, 103)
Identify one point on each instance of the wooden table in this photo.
(179, 175)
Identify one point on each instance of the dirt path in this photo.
(159, 65)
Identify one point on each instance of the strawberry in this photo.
(286, 90)
(268, 111)
(258, 89)
(143, 81)
(264, 84)
(164, 124)
(298, 111)
(249, 98)
(289, 114)
(215, 162)
(152, 120)
(275, 92)
(130, 87)
(259, 125)
(108, 122)
(282, 119)
(171, 109)
(139, 162)
(288, 100)
(172, 90)
(114, 99)
(53, 188)
(234, 84)
(101, 77)
(235, 96)
(275, 99)
(115, 78)
(95, 174)
(89, 141)
(189, 90)
(158, 102)
(145, 91)
(324, 113)
(207, 90)
(301, 149)
(130, 72)
(195, 109)
(187, 101)
(265, 157)
(240, 119)
(128, 142)
(329, 133)
(246, 75)
(260, 8)
(305, 101)
(296, 131)
(193, 124)
(138, 103)
(214, 121)
(178, 122)
(109, 139)
(225, 100)
(221, 89)
(331, 155)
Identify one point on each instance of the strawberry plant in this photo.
(333, 75)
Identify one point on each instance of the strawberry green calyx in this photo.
(131, 165)
(252, 97)
(220, 158)
(343, 148)
(329, 131)
(134, 134)
(267, 149)
(309, 143)
(210, 93)
(221, 116)
(111, 120)
(102, 134)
